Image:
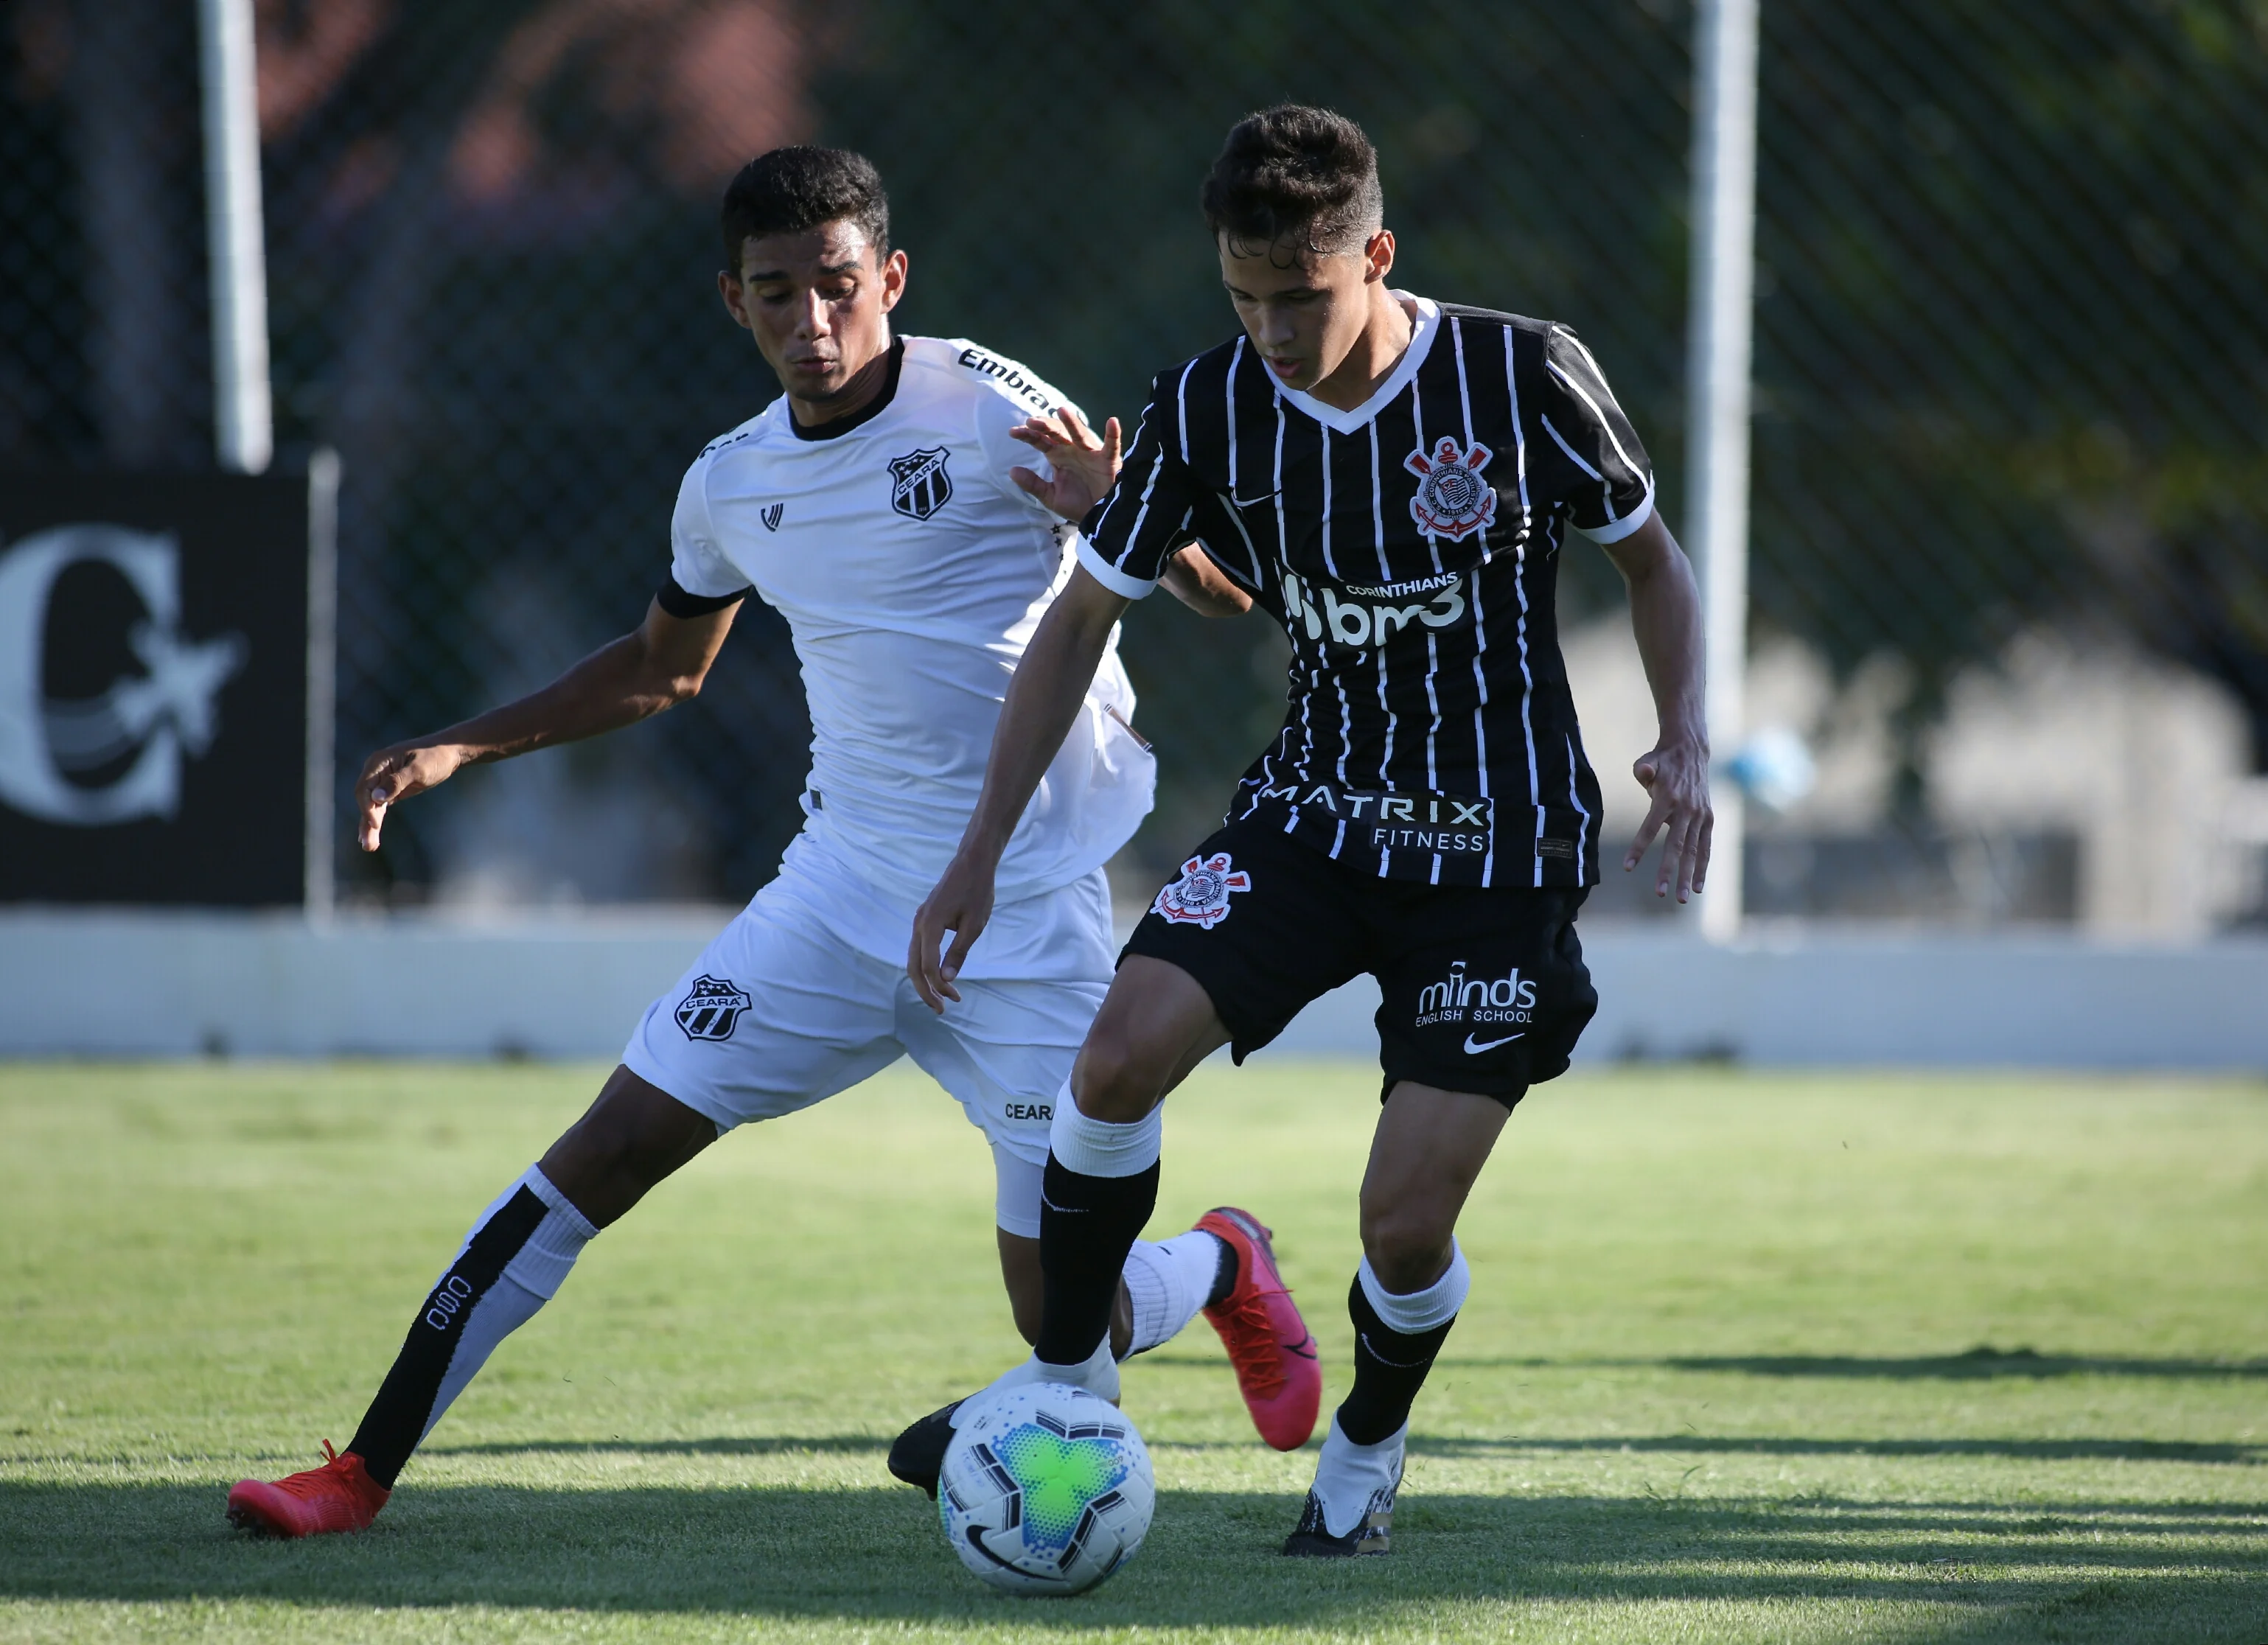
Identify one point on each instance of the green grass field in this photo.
(1748, 1357)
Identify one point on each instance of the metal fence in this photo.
(2010, 574)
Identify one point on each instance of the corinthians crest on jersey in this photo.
(1452, 501)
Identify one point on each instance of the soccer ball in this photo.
(1046, 1488)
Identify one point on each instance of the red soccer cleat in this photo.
(337, 1496)
(1267, 1343)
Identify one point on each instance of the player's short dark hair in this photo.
(1297, 178)
(790, 190)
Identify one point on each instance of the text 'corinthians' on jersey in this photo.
(1410, 548)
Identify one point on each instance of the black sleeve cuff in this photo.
(681, 605)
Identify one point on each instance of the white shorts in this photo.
(780, 1013)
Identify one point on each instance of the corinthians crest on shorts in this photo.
(1200, 896)
(712, 1010)
(1452, 501)
(919, 486)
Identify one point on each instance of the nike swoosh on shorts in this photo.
(1472, 1050)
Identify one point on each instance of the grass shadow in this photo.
(1769, 1445)
(1976, 1364)
(714, 1445)
(785, 1552)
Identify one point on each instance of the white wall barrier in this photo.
(132, 983)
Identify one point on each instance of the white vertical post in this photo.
(322, 800)
(244, 431)
(1719, 340)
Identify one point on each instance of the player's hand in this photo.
(1084, 463)
(1675, 776)
(960, 903)
(395, 773)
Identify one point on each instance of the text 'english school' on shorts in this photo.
(1484, 990)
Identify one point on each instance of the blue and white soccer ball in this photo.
(1046, 1488)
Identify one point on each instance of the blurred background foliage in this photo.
(2012, 347)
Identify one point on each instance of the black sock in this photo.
(1389, 1368)
(398, 1417)
(1087, 1225)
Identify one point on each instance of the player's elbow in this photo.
(1649, 558)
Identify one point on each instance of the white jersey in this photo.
(912, 571)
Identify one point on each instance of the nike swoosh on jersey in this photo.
(1253, 502)
(1472, 1050)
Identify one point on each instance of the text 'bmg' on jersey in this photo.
(1410, 547)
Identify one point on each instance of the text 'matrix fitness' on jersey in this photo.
(1410, 547)
(911, 571)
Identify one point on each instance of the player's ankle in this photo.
(1095, 1372)
(1225, 1274)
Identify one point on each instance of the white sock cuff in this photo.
(1415, 1311)
(1096, 1148)
(541, 1266)
(541, 1185)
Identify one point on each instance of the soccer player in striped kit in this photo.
(1393, 480)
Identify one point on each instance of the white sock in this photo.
(1354, 1481)
(1099, 1375)
(529, 1280)
(1168, 1282)
(1096, 1148)
(1415, 1313)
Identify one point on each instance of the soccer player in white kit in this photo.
(879, 505)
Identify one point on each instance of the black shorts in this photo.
(1484, 989)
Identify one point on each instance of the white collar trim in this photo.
(1422, 332)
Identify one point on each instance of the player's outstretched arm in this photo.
(1043, 699)
(661, 663)
(1666, 614)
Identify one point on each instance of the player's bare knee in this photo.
(1115, 1080)
(1407, 1246)
(633, 1137)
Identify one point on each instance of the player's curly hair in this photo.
(1294, 179)
(789, 190)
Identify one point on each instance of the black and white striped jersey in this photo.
(1410, 548)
